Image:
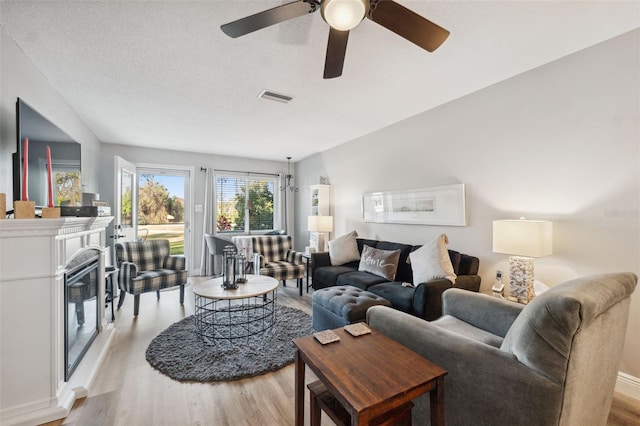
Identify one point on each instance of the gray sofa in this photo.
(424, 300)
(551, 362)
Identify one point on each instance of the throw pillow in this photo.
(383, 263)
(344, 249)
(431, 261)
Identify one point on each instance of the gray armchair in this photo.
(551, 362)
(216, 246)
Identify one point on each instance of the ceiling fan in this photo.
(342, 16)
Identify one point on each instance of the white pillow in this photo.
(431, 261)
(344, 249)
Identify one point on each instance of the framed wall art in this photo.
(435, 205)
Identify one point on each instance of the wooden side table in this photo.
(372, 376)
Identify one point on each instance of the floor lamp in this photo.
(319, 226)
(524, 240)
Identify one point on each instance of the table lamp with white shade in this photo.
(524, 240)
(319, 227)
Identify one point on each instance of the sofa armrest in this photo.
(127, 272)
(478, 374)
(320, 259)
(427, 298)
(175, 262)
(468, 282)
(481, 310)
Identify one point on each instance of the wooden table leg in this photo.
(436, 401)
(314, 409)
(299, 372)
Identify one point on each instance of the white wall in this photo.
(560, 142)
(138, 155)
(20, 78)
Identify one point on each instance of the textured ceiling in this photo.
(162, 74)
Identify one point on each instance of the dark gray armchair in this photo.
(551, 362)
(216, 246)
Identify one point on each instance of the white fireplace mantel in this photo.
(33, 255)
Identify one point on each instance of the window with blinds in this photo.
(245, 203)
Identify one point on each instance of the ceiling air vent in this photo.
(268, 94)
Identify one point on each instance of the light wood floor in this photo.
(127, 391)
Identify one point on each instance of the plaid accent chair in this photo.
(147, 266)
(274, 257)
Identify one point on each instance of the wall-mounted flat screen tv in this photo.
(65, 160)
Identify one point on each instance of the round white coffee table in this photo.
(231, 314)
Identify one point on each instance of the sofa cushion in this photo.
(432, 261)
(403, 274)
(383, 263)
(344, 249)
(456, 258)
(400, 297)
(329, 274)
(359, 279)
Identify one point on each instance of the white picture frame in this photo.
(443, 205)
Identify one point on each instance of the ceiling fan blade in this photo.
(336, 49)
(268, 17)
(408, 24)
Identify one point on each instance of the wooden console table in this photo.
(371, 376)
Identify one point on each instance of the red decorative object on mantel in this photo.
(23, 208)
(50, 212)
(49, 180)
(25, 171)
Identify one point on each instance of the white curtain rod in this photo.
(204, 169)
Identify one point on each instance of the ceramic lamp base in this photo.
(521, 278)
(317, 241)
(24, 209)
(50, 212)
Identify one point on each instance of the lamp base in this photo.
(521, 279)
(317, 241)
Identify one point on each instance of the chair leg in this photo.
(182, 294)
(136, 305)
(158, 294)
(121, 298)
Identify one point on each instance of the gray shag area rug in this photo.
(180, 353)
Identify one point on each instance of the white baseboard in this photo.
(628, 385)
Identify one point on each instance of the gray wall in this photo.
(560, 142)
(19, 77)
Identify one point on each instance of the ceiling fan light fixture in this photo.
(344, 15)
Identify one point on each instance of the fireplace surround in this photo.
(36, 255)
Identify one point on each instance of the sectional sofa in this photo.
(421, 299)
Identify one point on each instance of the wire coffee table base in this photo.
(235, 314)
(227, 319)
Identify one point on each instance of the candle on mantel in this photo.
(25, 170)
(49, 181)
